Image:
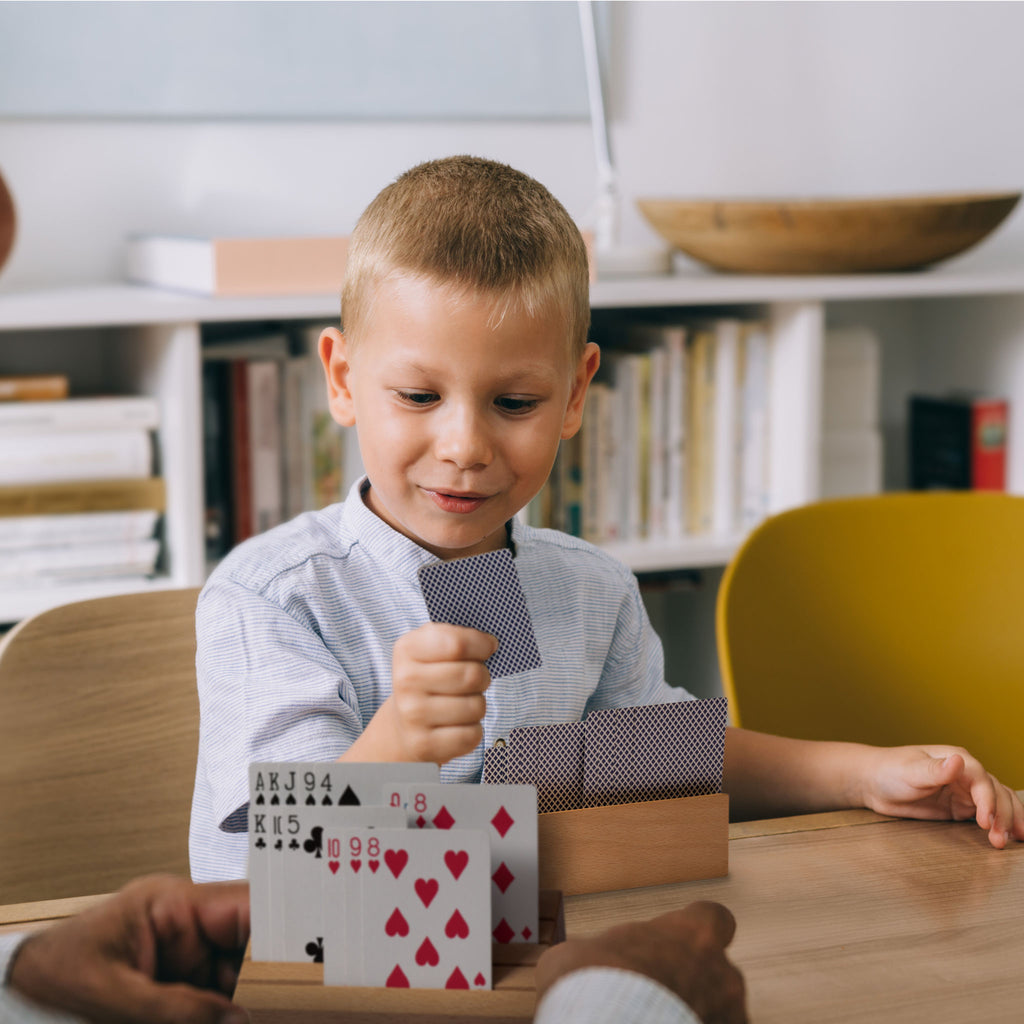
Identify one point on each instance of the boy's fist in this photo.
(438, 682)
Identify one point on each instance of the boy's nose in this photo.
(462, 438)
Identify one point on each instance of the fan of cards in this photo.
(386, 875)
(617, 756)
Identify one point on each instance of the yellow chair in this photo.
(890, 620)
(99, 728)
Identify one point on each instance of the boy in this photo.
(463, 362)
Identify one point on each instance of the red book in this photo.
(989, 418)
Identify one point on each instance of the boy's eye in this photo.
(508, 403)
(417, 397)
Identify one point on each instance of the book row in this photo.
(271, 448)
(79, 494)
(674, 441)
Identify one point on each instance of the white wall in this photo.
(707, 99)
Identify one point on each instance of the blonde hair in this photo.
(475, 225)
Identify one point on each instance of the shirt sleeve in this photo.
(634, 669)
(269, 690)
(607, 995)
(13, 1008)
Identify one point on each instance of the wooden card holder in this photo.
(626, 846)
(277, 993)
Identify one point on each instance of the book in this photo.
(242, 437)
(238, 266)
(65, 563)
(851, 381)
(700, 431)
(266, 465)
(755, 427)
(77, 496)
(33, 387)
(628, 472)
(52, 456)
(675, 438)
(76, 528)
(217, 513)
(958, 442)
(596, 420)
(95, 412)
(725, 429)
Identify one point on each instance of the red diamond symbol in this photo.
(526, 934)
(503, 878)
(421, 822)
(504, 933)
(502, 821)
(443, 819)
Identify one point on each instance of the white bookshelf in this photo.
(126, 339)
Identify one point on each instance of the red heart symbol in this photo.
(456, 980)
(426, 954)
(397, 924)
(479, 980)
(356, 864)
(456, 861)
(426, 889)
(456, 928)
(373, 865)
(334, 865)
(396, 861)
(397, 978)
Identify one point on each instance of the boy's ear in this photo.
(333, 355)
(585, 370)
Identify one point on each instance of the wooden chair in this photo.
(891, 619)
(99, 727)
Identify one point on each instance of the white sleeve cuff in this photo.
(13, 1008)
(608, 995)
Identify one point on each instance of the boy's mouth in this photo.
(461, 503)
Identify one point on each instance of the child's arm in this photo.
(768, 776)
(437, 702)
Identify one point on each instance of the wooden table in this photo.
(842, 917)
(852, 917)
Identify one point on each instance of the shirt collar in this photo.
(385, 544)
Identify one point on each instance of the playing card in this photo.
(494, 764)
(549, 757)
(508, 817)
(304, 864)
(258, 873)
(483, 591)
(278, 789)
(425, 914)
(343, 906)
(654, 752)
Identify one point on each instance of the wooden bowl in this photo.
(827, 236)
(6, 222)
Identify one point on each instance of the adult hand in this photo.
(161, 950)
(942, 782)
(684, 950)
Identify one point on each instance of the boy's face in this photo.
(459, 421)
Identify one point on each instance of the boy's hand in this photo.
(939, 782)
(438, 682)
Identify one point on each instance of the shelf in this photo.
(666, 556)
(146, 340)
(113, 304)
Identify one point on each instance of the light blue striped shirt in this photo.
(295, 630)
